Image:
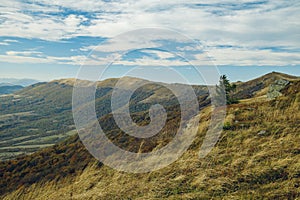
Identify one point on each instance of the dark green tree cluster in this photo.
(225, 90)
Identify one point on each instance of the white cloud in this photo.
(150, 62)
(23, 59)
(160, 54)
(11, 41)
(21, 20)
(23, 53)
(36, 57)
(7, 42)
(245, 57)
(4, 43)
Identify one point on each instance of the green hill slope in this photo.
(40, 115)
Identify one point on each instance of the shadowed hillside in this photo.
(8, 89)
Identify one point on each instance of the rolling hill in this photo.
(40, 115)
(8, 89)
(257, 156)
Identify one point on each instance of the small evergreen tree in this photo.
(225, 90)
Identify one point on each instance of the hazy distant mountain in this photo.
(6, 84)
(8, 88)
(14, 81)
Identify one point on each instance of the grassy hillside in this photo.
(41, 115)
(257, 157)
(35, 117)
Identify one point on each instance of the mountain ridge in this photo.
(9, 88)
(259, 86)
(14, 81)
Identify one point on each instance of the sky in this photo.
(244, 39)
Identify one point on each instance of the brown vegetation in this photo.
(257, 157)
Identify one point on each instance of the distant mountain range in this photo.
(12, 85)
(14, 81)
(8, 89)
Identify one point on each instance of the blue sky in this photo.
(48, 40)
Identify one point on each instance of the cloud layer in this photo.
(246, 32)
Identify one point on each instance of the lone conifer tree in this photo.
(225, 90)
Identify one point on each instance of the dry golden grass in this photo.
(257, 157)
